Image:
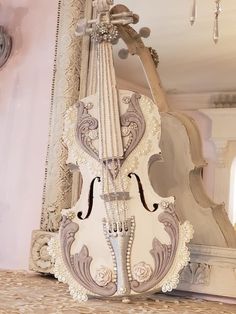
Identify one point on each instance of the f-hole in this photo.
(141, 193)
(90, 200)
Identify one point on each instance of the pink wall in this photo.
(25, 84)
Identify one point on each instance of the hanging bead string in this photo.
(121, 182)
(216, 18)
(119, 212)
(115, 212)
(114, 205)
(193, 12)
(216, 22)
(104, 167)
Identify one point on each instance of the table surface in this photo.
(28, 292)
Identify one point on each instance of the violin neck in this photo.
(110, 139)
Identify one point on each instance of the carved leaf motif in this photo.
(162, 254)
(133, 116)
(40, 260)
(132, 121)
(79, 264)
(86, 123)
(196, 273)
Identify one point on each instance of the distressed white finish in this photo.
(179, 174)
(189, 98)
(138, 162)
(90, 135)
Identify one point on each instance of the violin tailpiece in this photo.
(120, 238)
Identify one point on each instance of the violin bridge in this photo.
(120, 237)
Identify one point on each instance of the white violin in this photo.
(120, 238)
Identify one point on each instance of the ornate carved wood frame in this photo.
(70, 65)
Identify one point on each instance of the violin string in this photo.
(121, 181)
(107, 173)
(123, 210)
(112, 211)
(103, 167)
(112, 171)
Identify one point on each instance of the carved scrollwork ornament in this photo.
(196, 274)
(40, 260)
(5, 46)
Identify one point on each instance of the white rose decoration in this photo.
(142, 272)
(103, 276)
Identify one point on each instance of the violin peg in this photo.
(123, 53)
(144, 32)
(135, 18)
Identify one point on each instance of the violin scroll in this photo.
(105, 17)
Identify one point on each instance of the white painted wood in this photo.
(179, 174)
(223, 135)
(220, 265)
(147, 225)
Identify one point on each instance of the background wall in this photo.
(25, 86)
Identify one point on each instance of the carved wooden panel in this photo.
(58, 178)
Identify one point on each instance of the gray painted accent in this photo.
(85, 124)
(79, 264)
(135, 116)
(119, 196)
(132, 116)
(162, 254)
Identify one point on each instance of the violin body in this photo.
(147, 256)
(180, 171)
(121, 238)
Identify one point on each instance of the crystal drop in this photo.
(216, 31)
(216, 21)
(193, 13)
